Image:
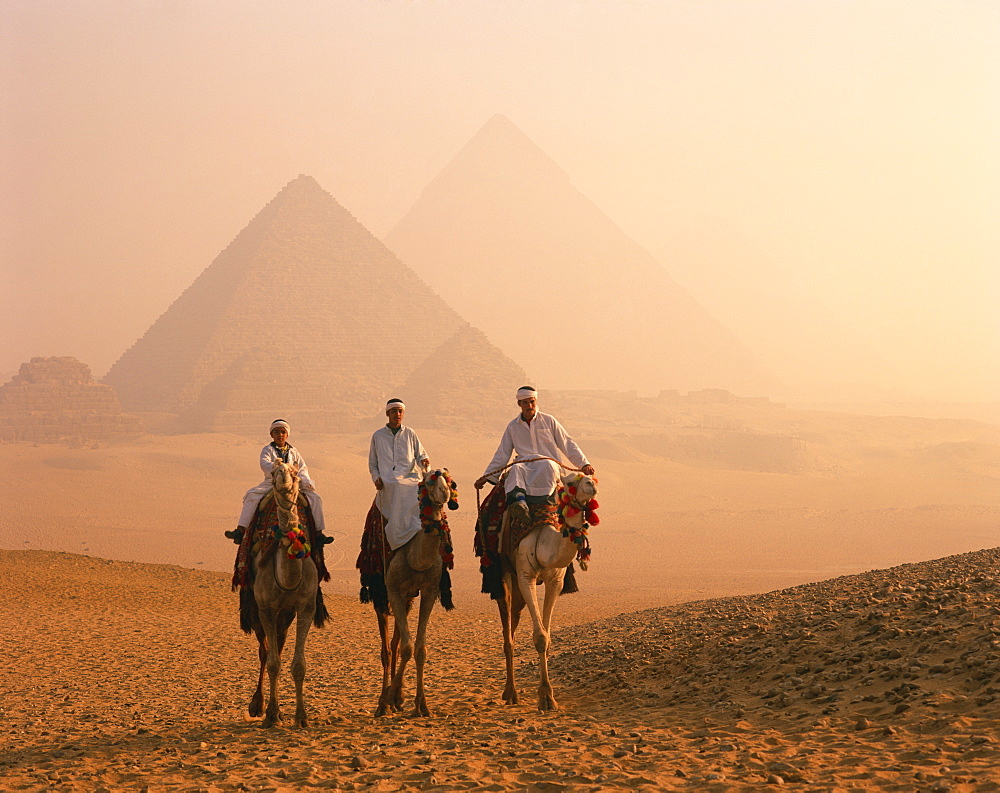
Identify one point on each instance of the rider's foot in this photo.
(520, 505)
(236, 535)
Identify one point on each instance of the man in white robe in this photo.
(280, 449)
(532, 434)
(394, 461)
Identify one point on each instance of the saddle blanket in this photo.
(261, 529)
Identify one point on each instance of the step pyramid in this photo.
(305, 315)
(505, 238)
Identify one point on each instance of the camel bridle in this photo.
(287, 508)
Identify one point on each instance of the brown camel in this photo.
(541, 557)
(415, 569)
(285, 588)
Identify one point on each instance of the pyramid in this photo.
(506, 239)
(305, 315)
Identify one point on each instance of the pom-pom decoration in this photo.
(298, 542)
(569, 507)
(428, 508)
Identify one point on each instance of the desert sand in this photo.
(127, 676)
(729, 634)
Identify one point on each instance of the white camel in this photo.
(415, 569)
(541, 557)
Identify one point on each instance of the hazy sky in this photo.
(812, 171)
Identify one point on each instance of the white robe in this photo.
(396, 460)
(544, 437)
(268, 456)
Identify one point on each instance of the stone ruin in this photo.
(54, 400)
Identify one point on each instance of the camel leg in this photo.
(383, 634)
(428, 597)
(269, 622)
(257, 700)
(390, 648)
(508, 623)
(539, 635)
(553, 586)
(392, 697)
(303, 621)
(394, 649)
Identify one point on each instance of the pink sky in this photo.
(800, 167)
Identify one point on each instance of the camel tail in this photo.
(445, 588)
(569, 582)
(321, 615)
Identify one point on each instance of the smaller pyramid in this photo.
(466, 375)
(55, 399)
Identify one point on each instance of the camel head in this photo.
(441, 488)
(285, 477)
(582, 488)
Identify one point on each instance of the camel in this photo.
(541, 557)
(285, 588)
(415, 569)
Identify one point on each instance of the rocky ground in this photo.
(125, 676)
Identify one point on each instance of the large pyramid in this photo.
(506, 239)
(305, 315)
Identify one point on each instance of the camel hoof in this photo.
(301, 722)
(547, 703)
(420, 709)
(510, 697)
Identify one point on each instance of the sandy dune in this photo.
(132, 674)
(125, 676)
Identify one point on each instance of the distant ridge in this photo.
(305, 315)
(506, 239)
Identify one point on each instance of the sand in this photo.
(124, 667)
(126, 676)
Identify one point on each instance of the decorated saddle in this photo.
(499, 532)
(375, 555)
(264, 530)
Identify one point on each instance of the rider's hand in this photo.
(588, 470)
(426, 464)
(480, 482)
(378, 483)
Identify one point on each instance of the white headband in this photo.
(526, 393)
(279, 423)
(394, 403)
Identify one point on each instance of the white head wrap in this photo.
(526, 393)
(280, 423)
(394, 403)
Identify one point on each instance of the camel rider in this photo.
(393, 459)
(532, 434)
(280, 449)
